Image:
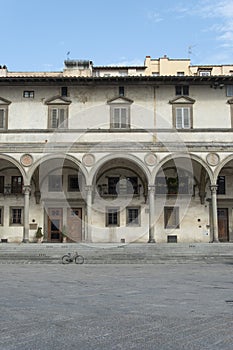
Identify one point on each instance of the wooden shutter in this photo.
(2, 121)
(186, 117)
(116, 118)
(179, 118)
(123, 123)
(54, 117)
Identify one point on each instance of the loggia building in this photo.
(117, 154)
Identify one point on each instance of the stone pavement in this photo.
(104, 307)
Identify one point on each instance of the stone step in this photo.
(115, 254)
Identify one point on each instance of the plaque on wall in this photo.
(212, 159)
(26, 160)
(150, 159)
(88, 159)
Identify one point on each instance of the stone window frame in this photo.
(58, 103)
(11, 223)
(121, 103)
(112, 210)
(230, 102)
(171, 211)
(4, 107)
(132, 223)
(182, 102)
(1, 216)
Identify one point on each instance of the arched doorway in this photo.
(119, 210)
(182, 202)
(58, 203)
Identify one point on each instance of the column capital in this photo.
(26, 189)
(213, 188)
(88, 188)
(151, 188)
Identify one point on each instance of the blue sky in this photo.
(37, 34)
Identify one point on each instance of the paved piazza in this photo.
(165, 306)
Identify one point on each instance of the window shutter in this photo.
(116, 118)
(123, 118)
(61, 122)
(2, 118)
(186, 116)
(179, 118)
(54, 117)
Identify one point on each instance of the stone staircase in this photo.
(118, 253)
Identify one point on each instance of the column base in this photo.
(25, 240)
(151, 240)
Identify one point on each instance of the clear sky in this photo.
(36, 35)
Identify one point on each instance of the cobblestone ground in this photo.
(183, 306)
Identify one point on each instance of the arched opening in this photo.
(182, 200)
(57, 201)
(225, 202)
(119, 206)
(12, 180)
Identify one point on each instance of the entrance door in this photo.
(74, 224)
(55, 216)
(223, 234)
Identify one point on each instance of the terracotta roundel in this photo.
(88, 159)
(212, 159)
(26, 159)
(150, 159)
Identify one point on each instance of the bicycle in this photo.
(68, 258)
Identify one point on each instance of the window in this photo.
(221, 185)
(16, 216)
(155, 74)
(180, 74)
(121, 91)
(73, 183)
(2, 184)
(112, 217)
(182, 90)
(123, 72)
(112, 184)
(205, 73)
(3, 118)
(183, 120)
(120, 118)
(229, 90)
(171, 217)
(16, 184)
(55, 183)
(1, 216)
(132, 185)
(132, 216)
(64, 91)
(58, 117)
(28, 94)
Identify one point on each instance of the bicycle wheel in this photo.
(79, 259)
(65, 259)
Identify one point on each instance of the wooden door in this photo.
(74, 224)
(55, 222)
(223, 233)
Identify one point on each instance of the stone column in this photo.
(213, 189)
(151, 190)
(26, 191)
(89, 190)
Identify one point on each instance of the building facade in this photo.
(117, 154)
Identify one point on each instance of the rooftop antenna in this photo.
(190, 51)
(68, 55)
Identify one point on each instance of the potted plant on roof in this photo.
(39, 235)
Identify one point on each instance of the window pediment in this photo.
(182, 99)
(120, 100)
(57, 100)
(3, 101)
